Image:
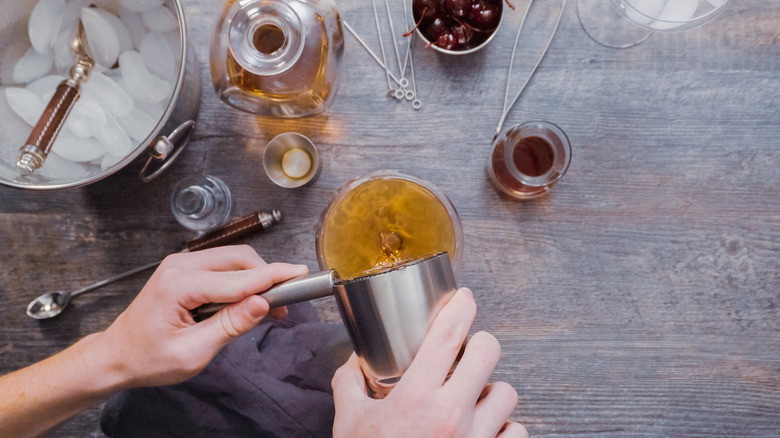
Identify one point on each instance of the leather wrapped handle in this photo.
(48, 127)
(239, 228)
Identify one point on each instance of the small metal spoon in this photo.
(52, 304)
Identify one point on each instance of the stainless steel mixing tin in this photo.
(387, 314)
(163, 144)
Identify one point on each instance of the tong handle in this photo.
(43, 135)
(41, 139)
(256, 222)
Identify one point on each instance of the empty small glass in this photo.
(201, 203)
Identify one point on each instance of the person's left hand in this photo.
(156, 342)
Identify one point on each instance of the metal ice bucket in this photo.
(152, 155)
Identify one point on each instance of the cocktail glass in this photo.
(621, 24)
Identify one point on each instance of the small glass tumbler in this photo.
(527, 160)
(201, 203)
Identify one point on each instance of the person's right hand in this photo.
(422, 404)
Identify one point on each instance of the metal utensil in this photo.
(508, 105)
(43, 135)
(387, 314)
(52, 304)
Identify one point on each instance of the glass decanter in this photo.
(278, 58)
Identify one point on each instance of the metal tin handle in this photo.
(165, 150)
(298, 289)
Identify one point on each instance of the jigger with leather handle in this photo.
(43, 135)
(387, 314)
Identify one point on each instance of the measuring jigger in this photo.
(387, 314)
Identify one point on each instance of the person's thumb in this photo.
(349, 385)
(232, 321)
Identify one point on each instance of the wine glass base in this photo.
(604, 24)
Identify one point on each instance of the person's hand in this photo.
(156, 342)
(422, 404)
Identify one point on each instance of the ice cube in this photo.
(57, 167)
(13, 130)
(88, 110)
(70, 17)
(63, 56)
(108, 94)
(174, 42)
(140, 83)
(31, 66)
(675, 13)
(138, 125)
(109, 160)
(141, 5)
(101, 36)
(125, 40)
(44, 24)
(160, 20)
(45, 85)
(79, 127)
(158, 56)
(111, 6)
(134, 25)
(153, 110)
(25, 103)
(77, 149)
(113, 138)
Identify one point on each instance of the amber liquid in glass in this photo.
(533, 156)
(384, 222)
(304, 84)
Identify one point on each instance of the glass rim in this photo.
(553, 174)
(701, 19)
(392, 174)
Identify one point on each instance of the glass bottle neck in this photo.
(265, 37)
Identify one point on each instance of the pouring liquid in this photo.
(382, 223)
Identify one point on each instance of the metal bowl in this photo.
(465, 51)
(152, 155)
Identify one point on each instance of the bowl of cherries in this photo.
(457, 27)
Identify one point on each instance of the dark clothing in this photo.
(272, 382)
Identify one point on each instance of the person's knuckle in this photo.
(231, 323)
(486, 346)
(246, 251)
(169, 275)
(172, 260)
(514, 430)
(507, 392)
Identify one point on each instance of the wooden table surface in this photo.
(640, 298)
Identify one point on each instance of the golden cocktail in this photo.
(384, 219)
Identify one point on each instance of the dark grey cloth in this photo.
(272, 382)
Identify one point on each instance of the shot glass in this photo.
(528, 159)
(201, 202)
(291, 160)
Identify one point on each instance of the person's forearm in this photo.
(43, 395)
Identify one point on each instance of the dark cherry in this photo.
(425, 10)
(435, 28)
(462, 33)
(456, 8)
(447, 40)
(484, 15)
